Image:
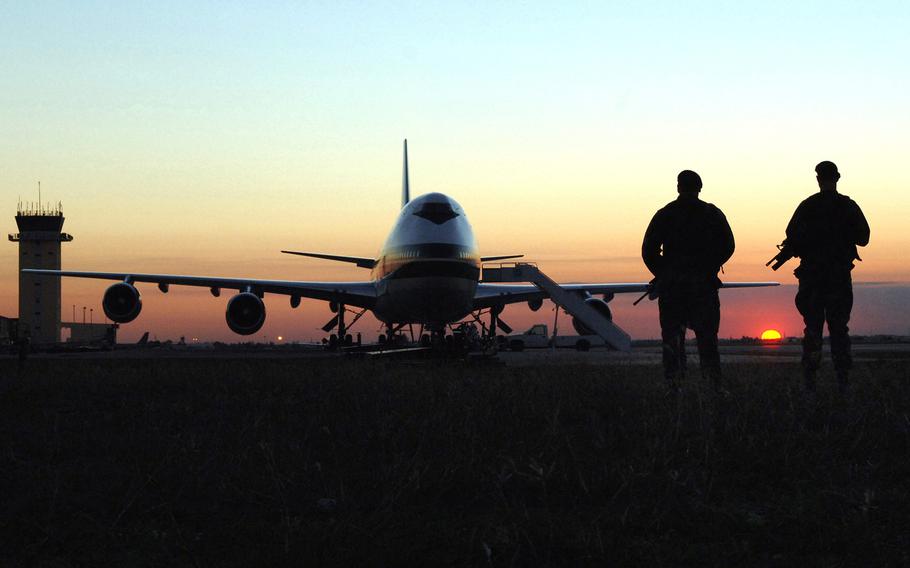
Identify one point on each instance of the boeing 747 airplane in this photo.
(427, 273)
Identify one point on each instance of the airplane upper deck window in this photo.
(438, 213)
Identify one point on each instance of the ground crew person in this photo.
(684, 247)
(824, 232)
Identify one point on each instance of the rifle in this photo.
(785, 253)
(650, 293)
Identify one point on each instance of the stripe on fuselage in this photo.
(431, 259)
(427, 283)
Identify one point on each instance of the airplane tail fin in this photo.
(405, 182)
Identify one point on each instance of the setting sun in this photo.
(771, 335)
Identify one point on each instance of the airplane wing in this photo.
(488, 295)
(356, 260)
(359, 294)
(500, 257)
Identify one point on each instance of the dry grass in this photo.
(292, 462)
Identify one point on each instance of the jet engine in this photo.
(601, 307)
(121, 302)
(245, 313)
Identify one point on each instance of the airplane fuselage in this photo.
(427, 271)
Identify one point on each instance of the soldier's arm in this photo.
(726, 242)
(796, 229)
(650, 245)
(860, 227)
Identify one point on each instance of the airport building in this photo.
(92, 333)
(40, 238)
(8, 327)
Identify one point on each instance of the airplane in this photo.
(428, 272)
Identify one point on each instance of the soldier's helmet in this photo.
(688, 182)
(827, 171)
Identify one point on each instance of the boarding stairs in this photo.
(572, 302)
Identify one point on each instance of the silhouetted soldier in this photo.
(684, 247)
(824, 233)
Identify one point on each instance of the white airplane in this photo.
(427, 273)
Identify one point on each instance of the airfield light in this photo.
(771, 335)
(280, 338)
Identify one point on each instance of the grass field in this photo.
(264, 462)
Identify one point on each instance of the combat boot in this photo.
(809, 379)
(674, 385)
(843, 380)
(717, 381)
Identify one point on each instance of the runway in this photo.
(651, 355)
(639, 355)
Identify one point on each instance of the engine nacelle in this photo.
(121, 303)
(535, 304)
(245, 313)
(601, 307)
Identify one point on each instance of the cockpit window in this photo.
(438, 213)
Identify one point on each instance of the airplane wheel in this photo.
(425, 340)
(381, 338)
(333, 341)
(348, 340)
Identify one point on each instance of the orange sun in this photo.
(771, 335)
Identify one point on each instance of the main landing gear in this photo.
(341, 338)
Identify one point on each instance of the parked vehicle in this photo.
(538, 337)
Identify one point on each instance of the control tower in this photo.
(39, 237)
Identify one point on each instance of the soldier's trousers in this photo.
(825, 298)
(695, 307)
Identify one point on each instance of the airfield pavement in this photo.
(194, 458)
(639, 355)
(651, 355)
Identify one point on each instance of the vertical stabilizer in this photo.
(405, 182)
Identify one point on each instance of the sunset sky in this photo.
(202, 138)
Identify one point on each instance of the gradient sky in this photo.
(204, 137)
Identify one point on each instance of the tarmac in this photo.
(651, 355)
(641, 355)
